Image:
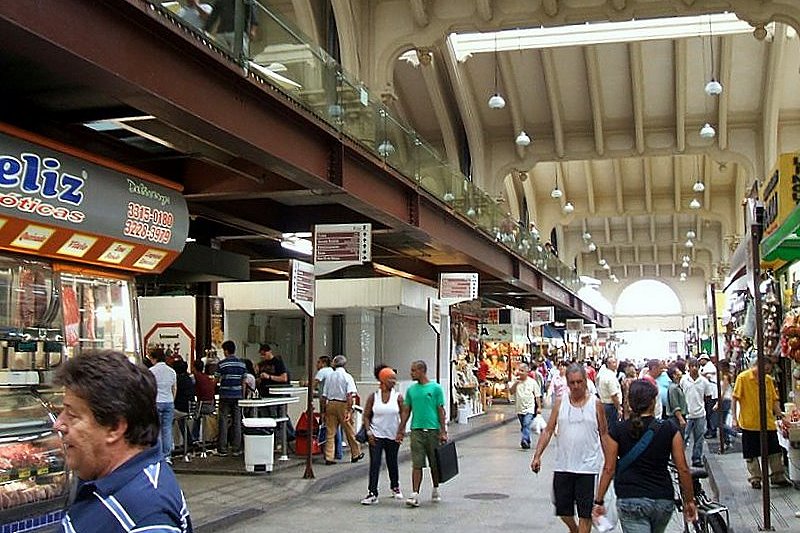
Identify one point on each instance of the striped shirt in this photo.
(231, 372)
(142, 495)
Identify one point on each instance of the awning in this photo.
(784, 242)
(738, 264)
(551, 332)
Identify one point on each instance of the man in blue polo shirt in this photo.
(231, 371)
(110, 429)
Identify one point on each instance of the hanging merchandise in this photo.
(790, 335)
(771, 312)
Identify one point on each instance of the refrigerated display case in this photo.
(34, 483)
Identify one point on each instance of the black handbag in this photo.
(361, 435)
(446, 461)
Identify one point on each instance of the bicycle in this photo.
(712, 516)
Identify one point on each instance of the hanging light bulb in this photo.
(587, 236)
(698, 186)
(689, 243)
(602, 262)
(556, 193)
(687, 258)
(448, 197)
(707, 131)
(694, 204)
(523, 139)
(471, 212)
(713, 88)
(568, 208)
(496, 101)
(691, 234)
(683, 277)
(685, 264)
(592, 247)
(607, 267)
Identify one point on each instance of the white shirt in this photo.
(709, 370)
(696, 390)
(608, 386)
(525, 394)
(385, 416)
(166, 379)
(578, 438)
(338, 385)
(321, 375)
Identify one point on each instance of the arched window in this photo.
(648, 297)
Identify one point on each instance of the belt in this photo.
(335, 400)
(424, 430)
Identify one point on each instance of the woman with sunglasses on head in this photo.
(637, 454)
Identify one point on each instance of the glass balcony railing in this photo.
(274, 51)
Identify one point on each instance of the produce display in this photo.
(790, 335)
(31, 472)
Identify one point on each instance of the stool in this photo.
(198, 412)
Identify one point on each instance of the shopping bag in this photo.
(446, 461)
(322, 434)
(609, 521)
(538, 424)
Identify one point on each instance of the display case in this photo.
(34, 483)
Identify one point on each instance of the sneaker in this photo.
(783, 482)
(525, 445)
(369, 499)
(413, 501)
(436, 497)
(237, 453)
(396, 494)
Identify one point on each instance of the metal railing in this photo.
(274, 51)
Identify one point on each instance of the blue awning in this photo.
(551, 332)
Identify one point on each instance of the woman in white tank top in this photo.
(382, 418)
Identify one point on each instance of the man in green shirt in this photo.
(425, 399)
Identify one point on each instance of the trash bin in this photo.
(259, 444)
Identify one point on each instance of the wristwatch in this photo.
(599, 502)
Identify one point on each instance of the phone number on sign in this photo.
(143, 213)
(140, 230)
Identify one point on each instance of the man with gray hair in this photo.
(336, 404)
(526, 391)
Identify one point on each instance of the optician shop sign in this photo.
(56, 204)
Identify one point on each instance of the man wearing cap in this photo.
(336, 404)
(709, 370)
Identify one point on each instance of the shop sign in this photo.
(543, 315)
(588, 329)
(338, 246)
(435, 314)
(780, 192)
(574, 325)
(496, 332)
(71, 203)
(301, 286)
(458, 287)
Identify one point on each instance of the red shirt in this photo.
(483, 370)
(204, 387)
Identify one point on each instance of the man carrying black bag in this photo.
(425, 399)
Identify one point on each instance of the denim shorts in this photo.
(644, 515)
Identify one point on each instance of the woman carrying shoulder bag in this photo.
(382, 418)
(637, 454)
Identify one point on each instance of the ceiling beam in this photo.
(618, 184)
(420, 13)
(514, 102)
(725, 67)
(590, 197)
(675, 228)
(647, 172)
(554, 98)
(680, 59)
(430, 74)
(464, 94)
(771, 92)
(637, 91)
(607, 229)
(484, 8)
(708, 170)
(677, 180)
(595, 97)
(653, 229)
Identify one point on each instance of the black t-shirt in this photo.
(648, 476)
(184, 392)
(273, 367)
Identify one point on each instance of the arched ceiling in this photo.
(616, 125)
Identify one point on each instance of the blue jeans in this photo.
(166, 412)
(525, 420)
(724, 411)
(229, 416)
(390, 447)
(696, 429)
(337, 452)
(644, 515)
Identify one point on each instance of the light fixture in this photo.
(448, 197)
(607, 266)
(523, 139)
(698, 186)
(691, 234)
(386, 148)
(689, 243)
(592, 247)
(713, 88)
(687, 258)
(556, 193)
(471, 212)
(602, 262)
(496, 101)
(587, 236)
(685, 264)
(707, 131)
(683, 277)
(297, 242)
(568, 208)
(694, 204)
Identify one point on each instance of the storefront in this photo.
(74, 230)
(504, 344)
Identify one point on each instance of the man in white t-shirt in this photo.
(526, 391)
(696, 388)
(609, 390)
(709, 370)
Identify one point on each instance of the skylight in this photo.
(466, 44)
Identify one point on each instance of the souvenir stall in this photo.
(464, 337)
(74, 230)
(505, 344)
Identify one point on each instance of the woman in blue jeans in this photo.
(645, 499)
(382, 419)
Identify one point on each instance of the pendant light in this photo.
(496, 101)
(691, 234)
(713, 87)
(689, 243)
(523, 139)
(592, 247)
(694, 204)
(556, 193)
(568, 208)
(708, 131)
(698, 186)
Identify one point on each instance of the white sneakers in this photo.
(413, 500)
(369, 499)
(396, 494)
